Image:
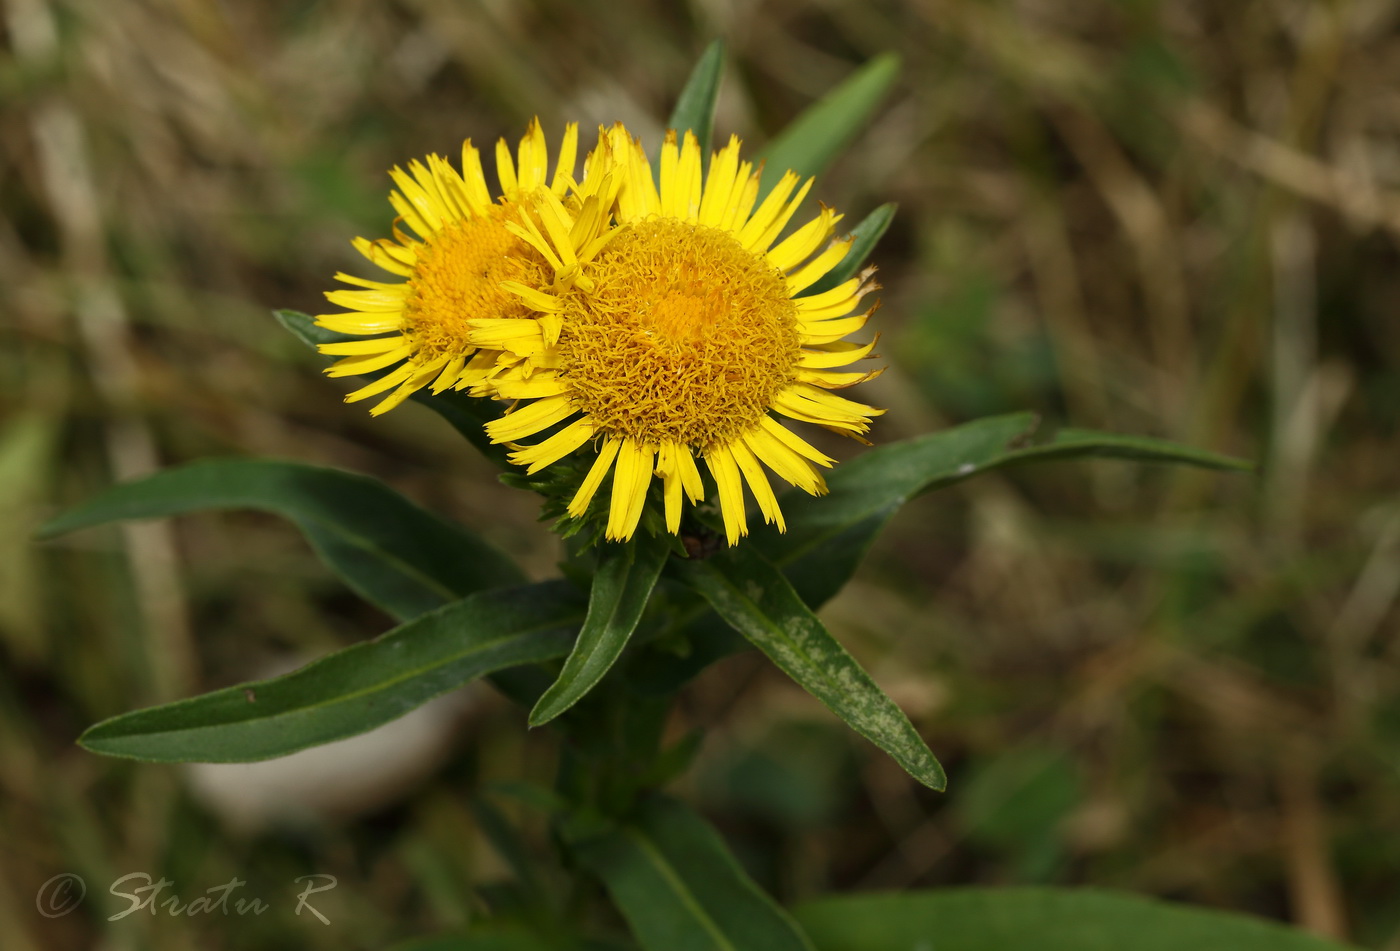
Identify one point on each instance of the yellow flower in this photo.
(452, 270)
(678, 331)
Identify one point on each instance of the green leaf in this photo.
(867, 234)
(695, 109)
(617, 599)
(756, 600)
(810, 143)
(393, 553)
(828, 536)
(679, 888)
(355, 689)
(466, 414)
(1046, 919)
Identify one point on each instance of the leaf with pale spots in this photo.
(756, 600)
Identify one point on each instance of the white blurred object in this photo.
(338, 780)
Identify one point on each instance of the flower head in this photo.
(675, 330)
(462, 251)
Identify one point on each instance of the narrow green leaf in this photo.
(619, 595)
(810, 143)
(695, 109)
(1047, 919)
(355, 689)
(466, 414)
(827, 537)
(757, 600)
(679, 888)
(396, 555)
(866, 235)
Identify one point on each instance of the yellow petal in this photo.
(818, 266)
(731, 492)
(595, 476)
(554, 448)
(629, 494)
(533, 418)
(568, 158)
(759, 485)
(368, 363)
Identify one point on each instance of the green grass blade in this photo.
(695, 109)
(619, 595)
(866, 235)
(466, 414)
(355, 689)
(393, 553)
(1047, 919)
(814, 139)
(680, 889)
(757, 600)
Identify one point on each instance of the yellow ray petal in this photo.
(450, 374)
(536, 387)
(741, 198)
(787, 463)
(357, 323)
(671, 483)
(474, 179)
(568, 158)
(832, 380)
(595, 476)
(369, 301)
(358, 366)
(505, 170)
(410, 386)
(759, 485)
(731, 492)
(531, 419)
(795, 442)
(534, 158)
(386, 382)
(393, 258)
(839, 354)
(799, 245)
(720, 183)
(629, 494)
(818, 266)
(554, 448)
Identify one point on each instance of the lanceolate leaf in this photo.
(1046, 919)
(619, 595)
(396, 555)
(866, 235)
(675, 882)
(756, 600)
(827, 537)
(695, 109)
(467, 414)
(810, 143)
(355, 689)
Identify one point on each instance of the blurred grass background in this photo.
(1173, 218)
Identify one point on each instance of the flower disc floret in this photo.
(686, 339)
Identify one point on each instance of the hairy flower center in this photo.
(686, 337)
(457, 278)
